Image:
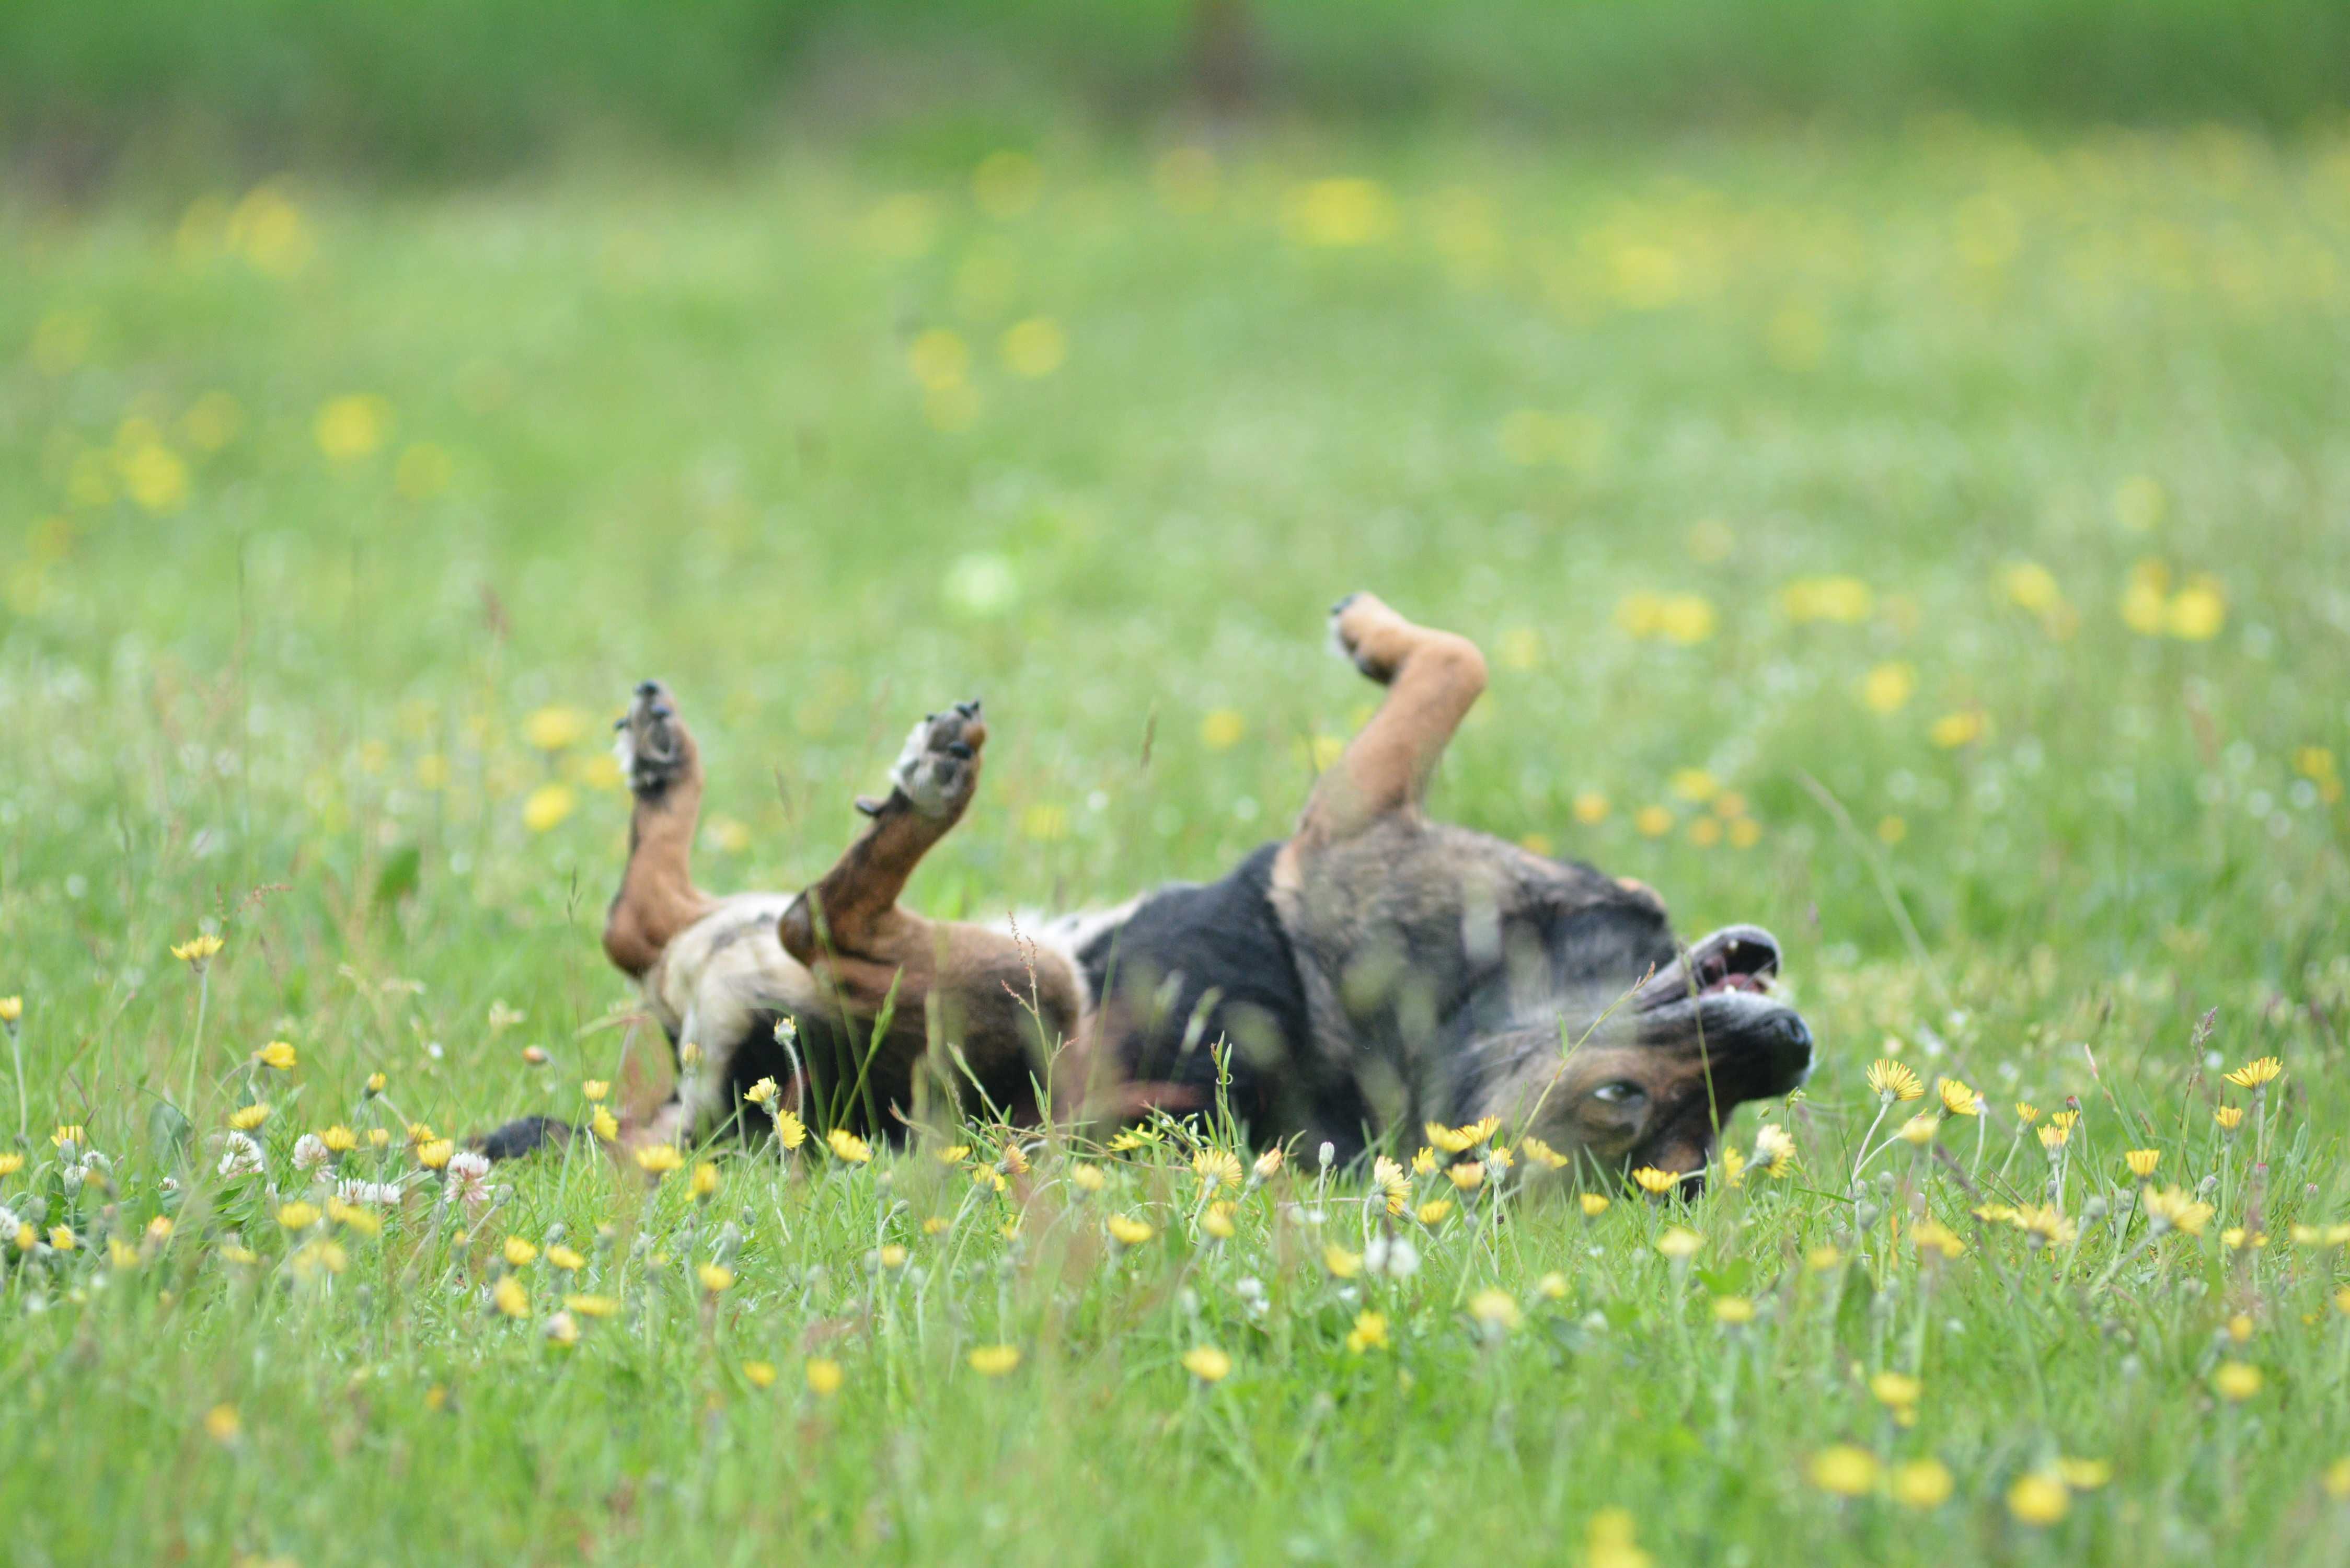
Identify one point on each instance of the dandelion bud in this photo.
(1327, 1155)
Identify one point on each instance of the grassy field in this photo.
(1933, 548)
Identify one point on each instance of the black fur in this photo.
(1199, 964)
(526, 1135)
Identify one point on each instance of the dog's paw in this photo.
(940, 764)
(1362, 632)
(651, 745)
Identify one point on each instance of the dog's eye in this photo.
(1620, 1094)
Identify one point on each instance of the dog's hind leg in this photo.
(1432, 678)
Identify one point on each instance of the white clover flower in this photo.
(310, 1152)
(1393, 1256)
(377, 1194)
(241, 1156)
(468, 1178)
(9, 1222)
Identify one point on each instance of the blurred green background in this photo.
(443, 88)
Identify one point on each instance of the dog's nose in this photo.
(1794, 1035)
(648, 688)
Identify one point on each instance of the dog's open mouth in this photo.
(1743, 958)
(1734, 959)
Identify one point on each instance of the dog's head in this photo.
(653, 747)
(1651, 1081)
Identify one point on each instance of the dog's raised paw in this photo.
(1355, 622)
(939, 765)
(650, 746)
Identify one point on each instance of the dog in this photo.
(1375, 971)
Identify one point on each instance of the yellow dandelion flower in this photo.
(1541, 1153)
(510, 1298)
(2052, 1137)
(1842, 1469)
(1217, 1221)
(339, 1140)
(1919, 1130)
(1214, 1166)
(1732, 1312)
(1820, 1259)
(1958, 729)
(2026, 1112)
(761, 1093)
(1496, 1311)
(595, 1089)
(993, 1360)
(2142, 1161)
(1889, 1081)
(790, 1131)
(1433, 1211)
(1267, 1164)
(1922, 1484)
(823, 1376)
(1341, 1263)
(1680, 1243)
(1424, 1162)
(1654, 1181)
(846, 1146)
(715, 1277)
(591, 1305)
(1388, 1179)
(2230, 1117)
(2038, 1499)
(548, 806)
(1207, 1364)
(198, 950)
(519, 1253)
(245, 1118)
(1468, 1177)
(703, 1182)
(1932, 1235)
(278, 1054)
(1896, 1388)
(1958, 1100)
(2254, 1073)
(1370, 1333)
(222, 1425)
(436, 1154)
(564, 1257)
(12, 1008)
(11, 1162)
(604, 1125)
(297, 1215)
(759, 1374)
(1129, 1231)
(1087, 1178)
(658, 1159)
(2237, 1381)
(1593, 1204)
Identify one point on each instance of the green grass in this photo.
(670, 425)
(442, 88)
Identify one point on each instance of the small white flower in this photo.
(468, 1178)
(8, 1221)
(373, 1193)
(241, 1156)
(1327, 1154)
(310, 1152)
(1393, 1256)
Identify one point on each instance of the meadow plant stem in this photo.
(196, 1046)
(1882, 1105)
(24, 1108)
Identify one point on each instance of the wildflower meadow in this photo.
(1931, 545)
